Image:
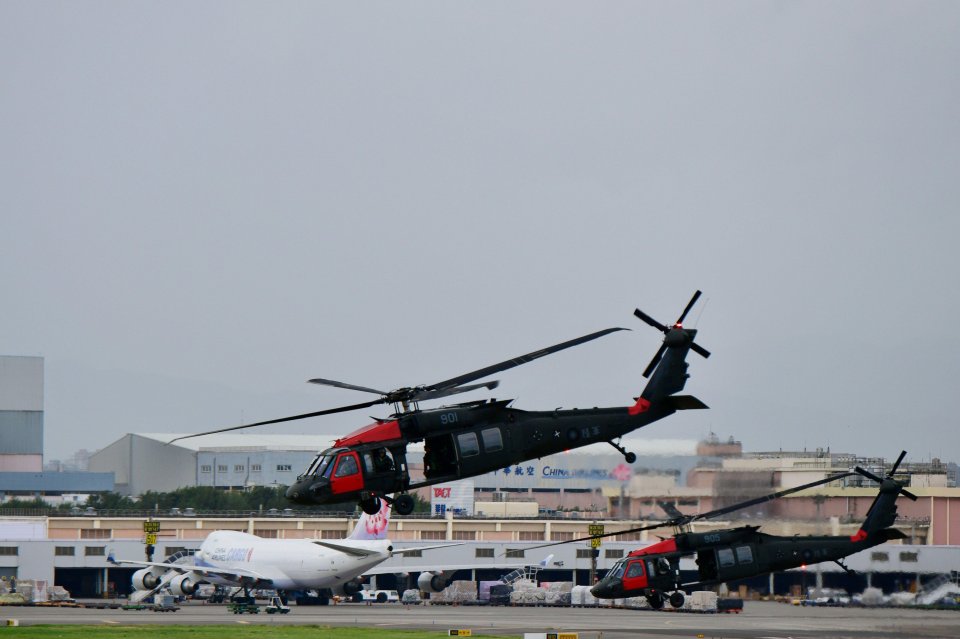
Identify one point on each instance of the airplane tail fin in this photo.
(373, 526)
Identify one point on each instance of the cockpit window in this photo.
(320, 465)
(313, 465)
(617, 570)
(636, 569)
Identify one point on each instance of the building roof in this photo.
(70, 482)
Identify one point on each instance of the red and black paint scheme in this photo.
(473, 438)
(735, 553)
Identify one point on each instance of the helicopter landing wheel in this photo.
(676, 599)
(630, 457)
(371, 506)
(403, 504)
(655, 600)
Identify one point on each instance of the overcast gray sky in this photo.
(205, 204)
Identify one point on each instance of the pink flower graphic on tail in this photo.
(373, 526)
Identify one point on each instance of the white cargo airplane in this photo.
(230, 558)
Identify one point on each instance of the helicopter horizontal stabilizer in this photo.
(684, 402)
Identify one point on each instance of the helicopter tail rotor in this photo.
(674, 335)
(883, 511)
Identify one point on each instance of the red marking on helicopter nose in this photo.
(860, 536)
(641, 406)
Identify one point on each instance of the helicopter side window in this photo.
(663, 566)
(347, 466)
(382, 462)
(635, 570)
(725, 557)
(744, 555)
(368, 463)
(492, 439)
(468, 444)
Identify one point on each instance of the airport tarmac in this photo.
(759, 620)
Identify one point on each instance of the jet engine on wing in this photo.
(147, 578)
(185, 584)
(349, 588)
(432, 582)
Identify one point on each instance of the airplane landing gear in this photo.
(629, 457)
(676, 599)
(655, 599)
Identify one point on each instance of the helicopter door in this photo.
(635, 576)
(346, 474)
(439, 457)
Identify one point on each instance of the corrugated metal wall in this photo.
(21, 406)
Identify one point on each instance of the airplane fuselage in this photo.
(290, 564)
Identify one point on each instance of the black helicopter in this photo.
(470, 439)
(737, 553)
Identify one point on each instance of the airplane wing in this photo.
(233, 574)
(354, 551)
(381, 570)
(406, 550)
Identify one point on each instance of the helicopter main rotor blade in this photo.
(437, 394)
(686, 519)
(331, 382)
(759, 500)
(329, 411)
(517, 361)
(610, 534)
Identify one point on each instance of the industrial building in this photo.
(144, 462)
(21, 439)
